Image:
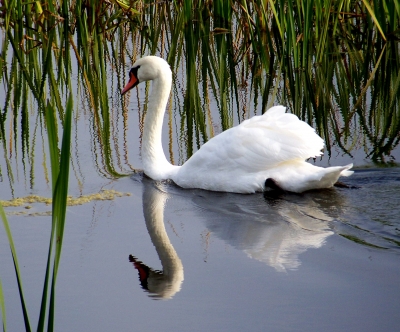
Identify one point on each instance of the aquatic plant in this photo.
(334, 63)
(60, 161)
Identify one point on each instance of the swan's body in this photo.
(273, 146)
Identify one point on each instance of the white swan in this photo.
(270, 149)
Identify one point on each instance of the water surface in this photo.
(326, 260)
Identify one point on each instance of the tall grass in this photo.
(320, 58)
(17, 273)
(29, 46)
(2, 302)
(60, 160)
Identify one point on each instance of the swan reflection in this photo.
(166, 283)
(274, 230)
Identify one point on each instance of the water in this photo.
(325, 260)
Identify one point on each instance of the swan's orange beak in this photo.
(133, 81)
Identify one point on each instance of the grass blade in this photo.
(16, 267)
(60, 195)
(60, 177)
(3, 307)
(373, 16)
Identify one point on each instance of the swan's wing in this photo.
(258, 144)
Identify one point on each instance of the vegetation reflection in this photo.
(333, 63)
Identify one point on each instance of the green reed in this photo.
(2, 303)
(17, 273)
(246, 55)
(30, 72)
(60, 160)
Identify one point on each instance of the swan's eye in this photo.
(135, 70)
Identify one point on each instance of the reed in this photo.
(246, 55)
(17, 273)
(2, 302)
(60, 161)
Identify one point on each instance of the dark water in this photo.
(167, 259)
(326, 260)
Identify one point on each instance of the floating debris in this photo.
(103, 195)
(26, 214)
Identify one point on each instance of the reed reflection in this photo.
(166, 283)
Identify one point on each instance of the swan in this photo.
(265, 151)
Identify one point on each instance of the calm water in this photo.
(230, 262)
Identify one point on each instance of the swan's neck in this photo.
(155, 164)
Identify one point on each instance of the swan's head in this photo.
(147, 69)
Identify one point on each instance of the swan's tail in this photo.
(345, 170)
(331, 175)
